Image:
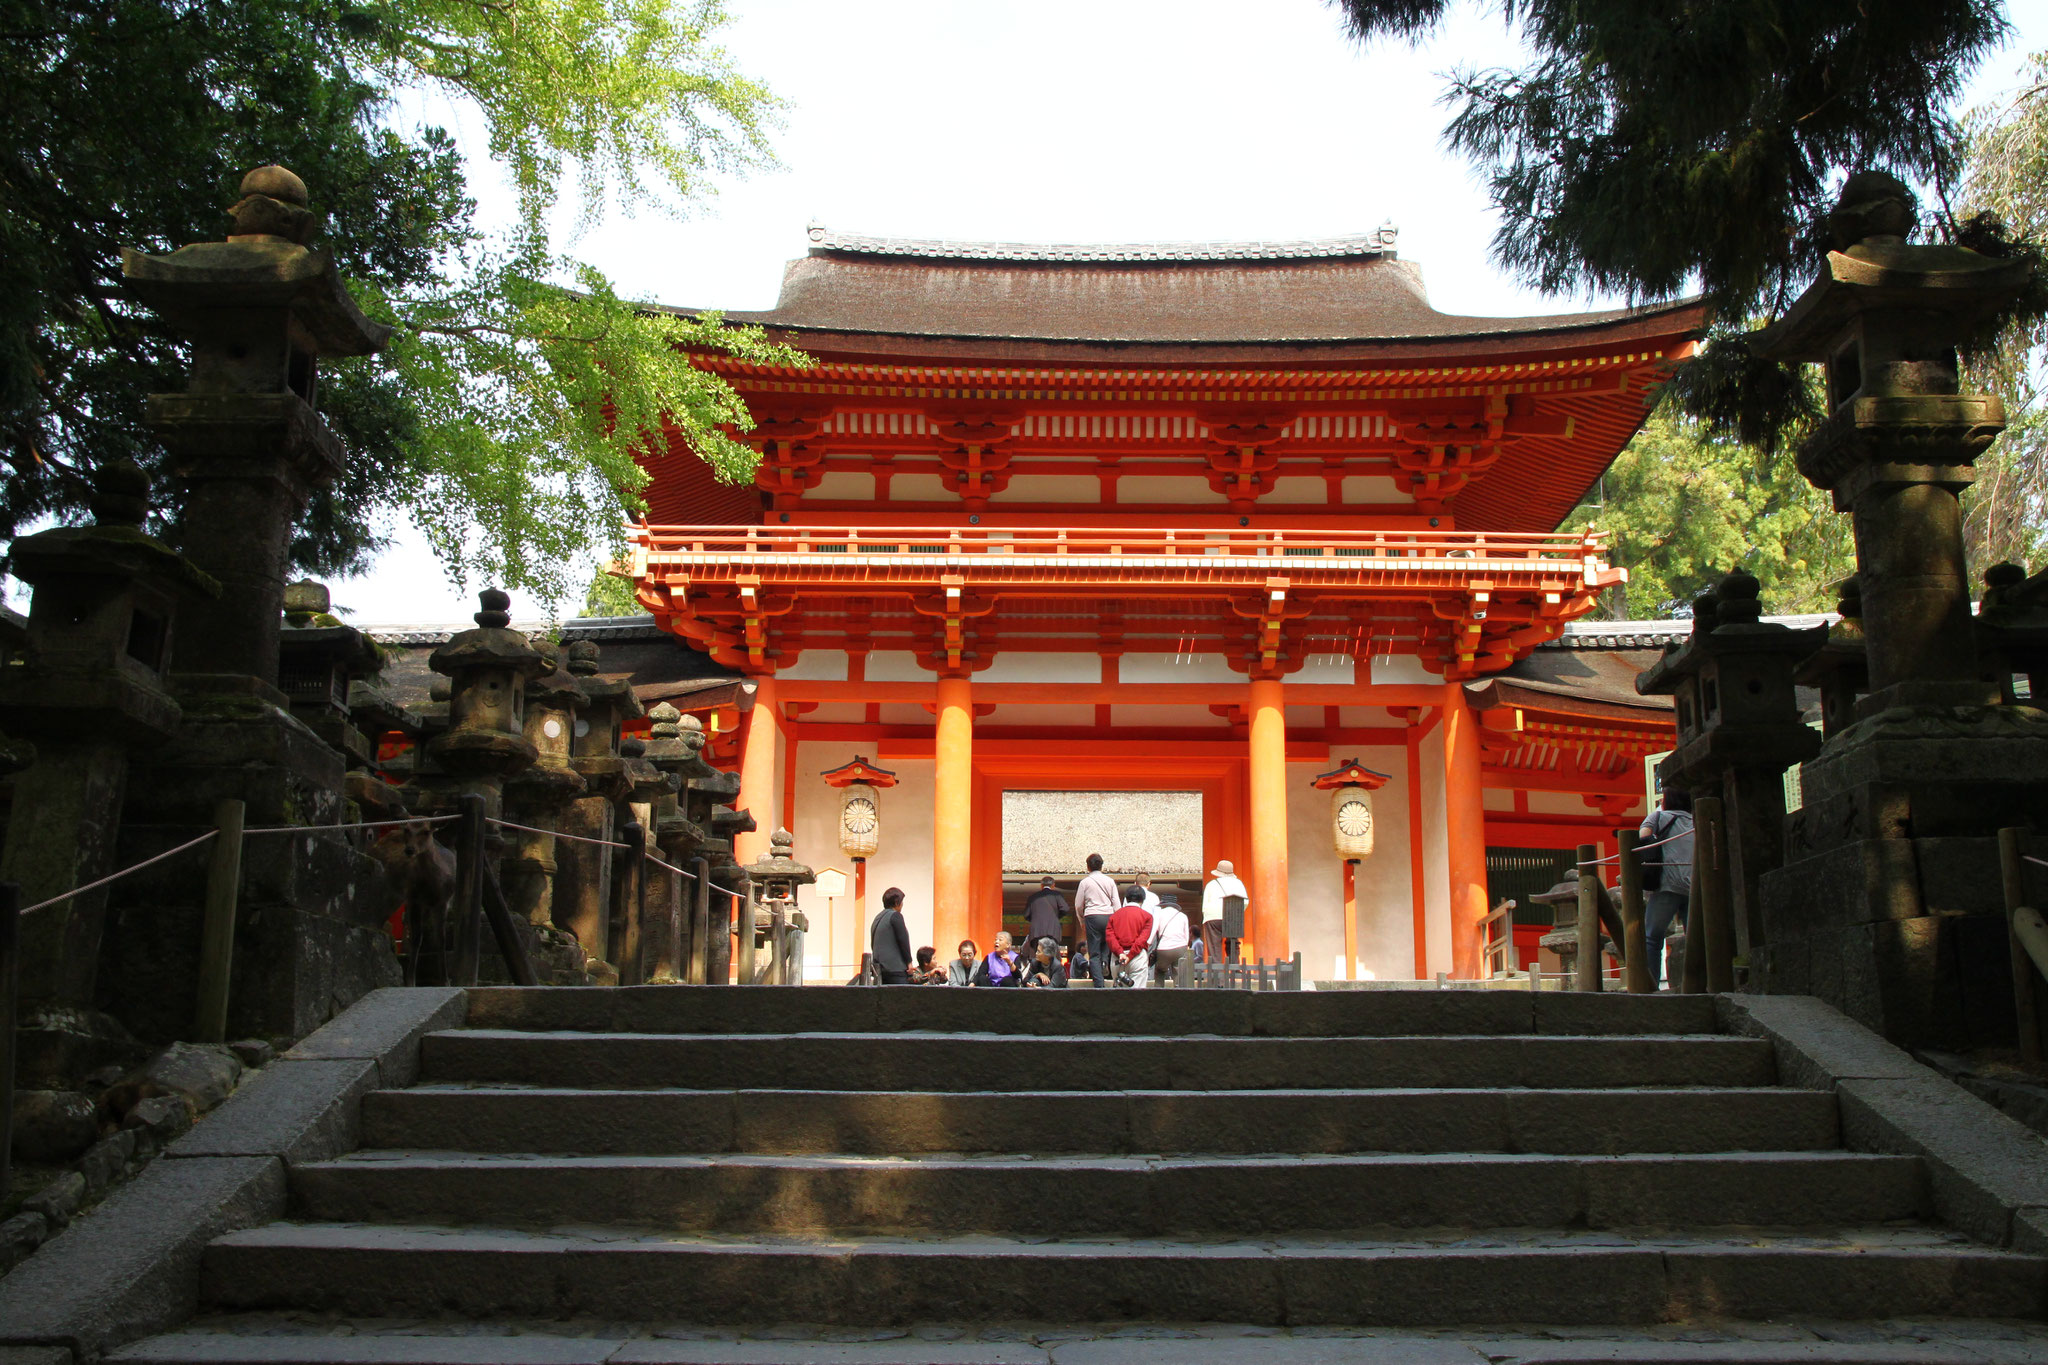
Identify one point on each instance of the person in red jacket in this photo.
(1130, 936)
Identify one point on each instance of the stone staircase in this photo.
(878, 1157)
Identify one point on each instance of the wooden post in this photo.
(1717, 916)
(718, 937)
(1350, 919)
(700, 922)
(1693, 974)
(217, 932)
(678, 965)
(1635, 948)
(10, 1009)
(502, 929)
(1589, 920)
(468, 906)
(1536, 972)
(778, 941)
(630, 882)
(2025, 993)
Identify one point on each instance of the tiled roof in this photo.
(579, 628)
(1653, 634)
(1378, 242)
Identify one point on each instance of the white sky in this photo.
(1076, 121)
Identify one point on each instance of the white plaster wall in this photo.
(1170, 668)
(896, 665)
(1497, 800)
(1050, 488)
(1558, 803)
(1386, 896)
(1324, 668)
(904, 859)
(1167, 488)
(1436, 855)
(920, 488)
(1403, 668)
(1315, 877)
(1019, 667)
(1297, 488)
(1008, 714)
(1374, 488)
(844, 486)
(816, 665)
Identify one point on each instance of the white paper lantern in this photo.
(1351, 823)
(860, 820)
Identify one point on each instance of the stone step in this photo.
(792, 1009)
(1098, 1196)
(626, 1122)
(375, 1272)
(959, 1062)
(262, 1339)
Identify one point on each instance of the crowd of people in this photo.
(1129, 936)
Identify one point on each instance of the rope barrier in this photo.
(1616, 857)
(572, 838)
(2043, 862)
(365, 824)
(116, 876)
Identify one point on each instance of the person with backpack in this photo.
(1667, 874)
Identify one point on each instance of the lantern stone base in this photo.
(1889, 905)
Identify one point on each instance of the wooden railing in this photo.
(657, 541)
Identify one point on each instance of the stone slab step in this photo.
(626, 1122)
(792, 1009)
(970, 1061)
(1098, 1196)
(384, 1271)
(263, 1342)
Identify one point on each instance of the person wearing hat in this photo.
(1223, 882)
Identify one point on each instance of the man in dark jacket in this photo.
(889, 940)
(1042, 913)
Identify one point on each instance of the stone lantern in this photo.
(488, 670)
(1840, 669)
(1888, 906)
(583, 876)
(261, 310)
(90, 689)
(1351, 786)
(778, 925)
(673, 747)
(537, 795)
(1739, 729)
(638, 888)
(319, 660)
(704, 798)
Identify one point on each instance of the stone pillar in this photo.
(759, 769)
(1464, 830)
(1267, 791)
(261, 310)
(1889, 904)
(583, 872)
(952, 811)
(90, 689)
(537, 796)
(673, 748)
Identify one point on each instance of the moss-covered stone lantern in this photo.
(778, 923)
(537, 796)
(488, 669)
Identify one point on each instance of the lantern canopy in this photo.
(1351, 786)
(860, 810)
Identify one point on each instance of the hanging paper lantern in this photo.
(860, 805)
(1351, 824)
(860, 821)
(1351, 821)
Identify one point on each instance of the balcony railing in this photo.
(655, 545)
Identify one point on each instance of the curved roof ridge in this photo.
(1378, 242)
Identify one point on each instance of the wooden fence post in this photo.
(631, 884)
(217, 931)
(1693, 972)
(1635, 947)
(499, 913)
(1717, 915)
(468, 906)
(1589, 919)
(2025, 995)
(700, 922)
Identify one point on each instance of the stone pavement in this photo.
(285, 1338)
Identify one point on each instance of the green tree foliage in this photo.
(1655, 146)
(2006, 178)
(1682, 506)
(505, 416)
